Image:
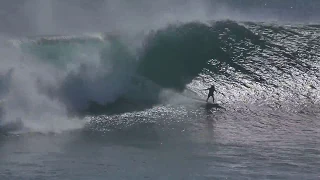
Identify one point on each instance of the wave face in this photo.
(247, 59)
(248, 62)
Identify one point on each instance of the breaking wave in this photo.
(107, 73)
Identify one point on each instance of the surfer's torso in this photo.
(211, 90)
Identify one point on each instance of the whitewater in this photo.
(128, 102)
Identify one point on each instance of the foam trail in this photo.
(99, 73)
(42, 89)
(23, 100)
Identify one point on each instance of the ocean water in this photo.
(115, 105)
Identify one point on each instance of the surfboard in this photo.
(207, 104)
(202, 100)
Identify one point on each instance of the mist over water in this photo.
(35, 17)
(22, 102)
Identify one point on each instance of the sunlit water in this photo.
(172, 143)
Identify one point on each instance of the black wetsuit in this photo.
(211, 90)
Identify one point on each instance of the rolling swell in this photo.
(247, 61)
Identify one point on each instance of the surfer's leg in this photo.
(213, 99)
(208, 98)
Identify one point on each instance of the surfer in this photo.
(210, 94)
